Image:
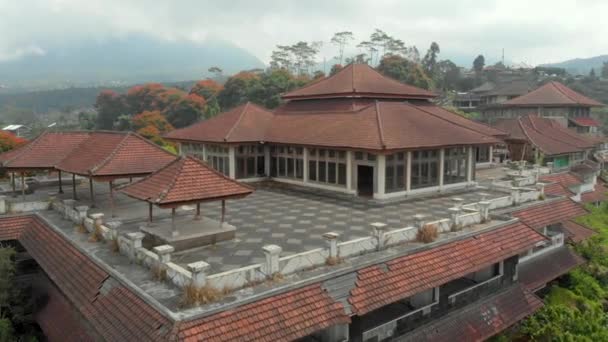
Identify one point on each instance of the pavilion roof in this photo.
(45, 151)
(112, 154)
(546, 134)
(185, 180)
(359, 80)
(552, 94)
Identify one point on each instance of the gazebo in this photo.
(186, 181)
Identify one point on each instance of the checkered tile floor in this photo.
(297, 221)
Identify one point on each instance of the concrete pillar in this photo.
(332, 241)
(199, 273)
(408, 170)
(82, 213)
(135, 242)
(541, 188)
(97, 219)
(441, 166)
(349, 170)
(305, 171)
(68, 205)
(164, 253)
(491, 153)
(470, 168)
(272, 253)
(454, 213)
(113, 227)
(267, 160)
(204, 152)
(378, 229)
(419, 220)
(484, 210)
(515, 195)
(232, 162)
(3, 207)
(381, 174)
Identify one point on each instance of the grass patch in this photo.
(427, 234)
(198, 296)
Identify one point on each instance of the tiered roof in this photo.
(358, 80)
(185, 180)
(546, 134)
(552, 94)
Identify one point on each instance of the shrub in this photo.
(197, 296)
(427, 234)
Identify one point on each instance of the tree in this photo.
(429, 62)
(9, 141)
(371, 49)
(86, 120)
(478, 64)
(335, 68)
(215, 71)
(152, 125)
(237, 90)
(185, 111)
(604, 72)
(447, 75)
(341, 40)
(272, 83)
(209, 90)
(592, 74)
(405, 71)
(110, 105)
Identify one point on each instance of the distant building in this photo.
(553, 100)
(17, 130)
(491, 93)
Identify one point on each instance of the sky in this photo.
(530, 32)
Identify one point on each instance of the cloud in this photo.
(529, 31)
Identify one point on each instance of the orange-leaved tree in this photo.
(152, 125)
(9, 141)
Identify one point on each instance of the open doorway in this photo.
(365, 180)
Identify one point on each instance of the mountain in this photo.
(581, 66)
(120, 61)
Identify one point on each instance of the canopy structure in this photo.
(186, 180)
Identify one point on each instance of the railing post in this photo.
(272, 253)
(378, 229)
(199, 273)
(332, 241)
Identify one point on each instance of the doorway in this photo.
(365, 180)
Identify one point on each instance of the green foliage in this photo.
(479, 63)
(7, 272)
(405, 71)
(7, 333)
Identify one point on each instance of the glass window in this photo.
(455, 165)
(424, 170)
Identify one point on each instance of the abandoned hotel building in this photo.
(353, 212)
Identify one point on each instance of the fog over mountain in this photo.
(582, 66)
(130, 59)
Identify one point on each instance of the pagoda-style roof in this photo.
(115, 154)
(552, 94)
(358, 80)
(245, 123)
(44, 152)
(546, 134)
(380, 125)
(186, 180)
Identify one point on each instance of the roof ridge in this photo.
(163, 194)
(455, 123)
(111, 155)
(320, 79)
(554, 84)
(523, 129)
(203, 163)
(119, 188)
(237, 121)
(379, 122)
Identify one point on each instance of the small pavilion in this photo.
(187, 181)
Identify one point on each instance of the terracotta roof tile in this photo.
(44, 152)
(551, 212)
(12, 226)
(597, 195)
(586, 122)
(566, 179)
(537, 272)
(245, 123)
(460, 120)
(283, 317)
(552, 94)
(417, 272)
(358, 80)
(115, 153)
(556, 189)
(480, 320)
(185, 180)
(577, 232)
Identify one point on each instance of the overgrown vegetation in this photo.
(427, 234)
(575, 307)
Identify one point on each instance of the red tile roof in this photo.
(245, 123)
(546, 134)
(460, 120)
(566, 179)
(111, 308)
(115, 154)
(358, 80)
(481, 320)
(597, 195)
(585, 122)
(537, 272)
(556, 189)
(185, 180)
(577, 232)
(283, 317)
(403, 277)
(552, 94)
(12, 226)
(550, 212)
(44, 152)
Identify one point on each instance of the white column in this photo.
(470, 164)
(408, 171)
(204, 152)
(349, 170)
(232, 162)
(305, 164)
(491, 152)
(267, 160)
(180, 150)
(381, 174)
(441, 166)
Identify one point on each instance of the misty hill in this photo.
(122, 61)
(581, 66)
